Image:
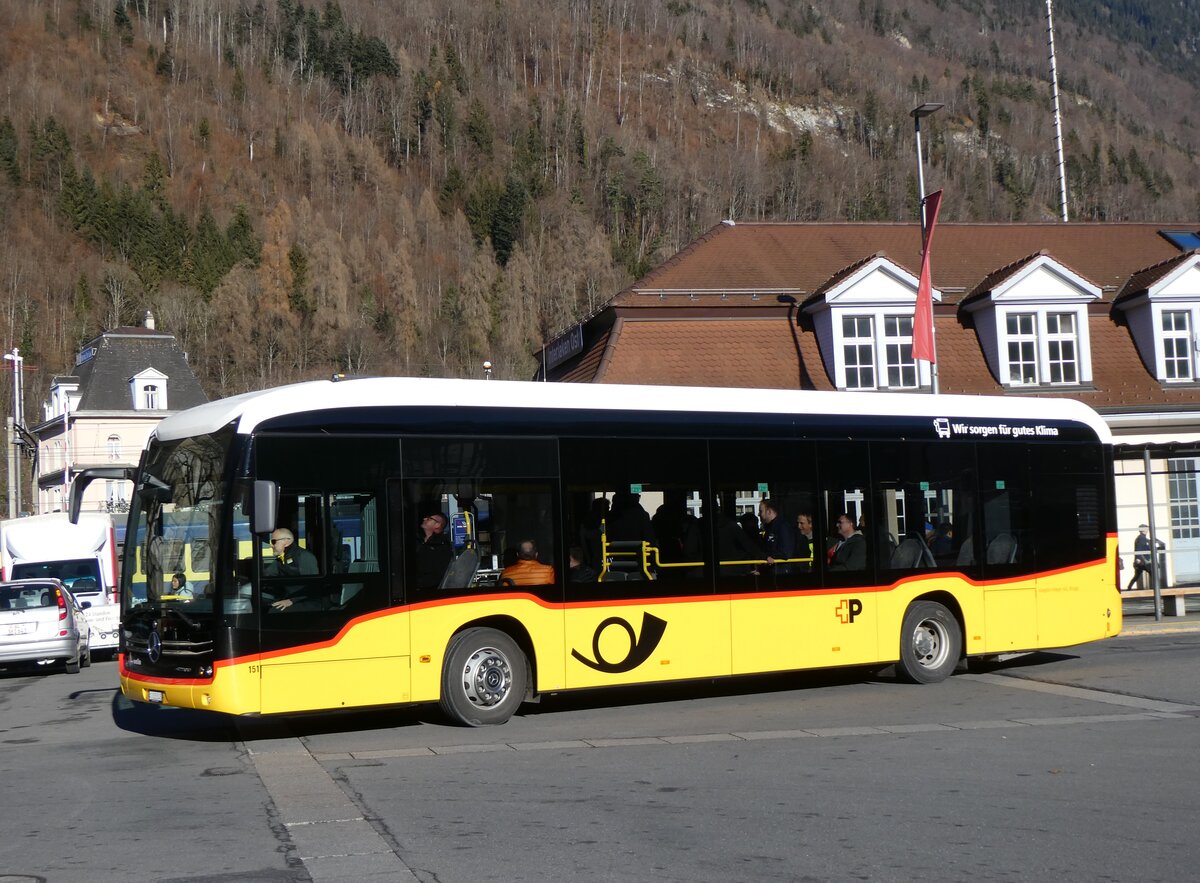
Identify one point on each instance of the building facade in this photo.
(1108, 314)
(101, 414)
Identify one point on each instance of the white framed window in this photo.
(1177, 345)
(149, 390)
(900, 366)
(858, 351)
(1062, 348)
(1183, 483)
(1043, 347)
(876, 351)
(114, 448)
(1022, 348)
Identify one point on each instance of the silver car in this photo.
(42, 624)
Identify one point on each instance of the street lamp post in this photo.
(919, 112)
(15, 438)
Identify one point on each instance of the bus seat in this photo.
(910, 555)
(1002, 549)
(966, 554)
(461, 571)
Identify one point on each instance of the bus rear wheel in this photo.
(484, 678)
(930, 643)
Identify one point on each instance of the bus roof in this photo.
(251, 409)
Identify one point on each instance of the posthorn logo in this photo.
(640, 646)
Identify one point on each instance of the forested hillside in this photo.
(383, 187)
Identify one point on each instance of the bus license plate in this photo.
(16, 628)
(154, 696)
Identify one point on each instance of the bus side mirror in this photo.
(266, 502)
(87, 476)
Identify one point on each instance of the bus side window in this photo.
(853, 548)
(634, 513)
(478, 514)
(924, 497)
(1008, 525)
(766, 490)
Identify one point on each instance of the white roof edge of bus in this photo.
(253, 408)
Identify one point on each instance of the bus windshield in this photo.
(175, 516)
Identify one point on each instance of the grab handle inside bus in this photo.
(266, 502)
(87, 476)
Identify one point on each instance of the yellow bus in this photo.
(479, 544)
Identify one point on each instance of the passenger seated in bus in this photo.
(528, 571)
(434, 552)
(179, 586)
(850, 550)
(290, 559)
(579, 571)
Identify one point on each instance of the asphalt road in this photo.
(1074, 765)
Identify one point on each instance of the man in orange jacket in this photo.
(528, 571)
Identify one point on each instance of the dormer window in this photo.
(149, 390)
(1031, 320)
(864, 321)
(1178, 359)
(1162, 307)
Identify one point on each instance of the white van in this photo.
(82, 556)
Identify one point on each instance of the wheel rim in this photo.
(487, 677)
(931, 643)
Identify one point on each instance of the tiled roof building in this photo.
(1108, 314)
(123, 383)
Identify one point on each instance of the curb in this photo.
(1160, 628)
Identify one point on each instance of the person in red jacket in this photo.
(528, 571)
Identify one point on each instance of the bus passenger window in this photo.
(854, 540)
(634, 513)
(1008, 519)
(478, 515)
(924, 498)
(766, 504)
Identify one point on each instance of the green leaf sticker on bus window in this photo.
(635, 489)
(1000, 484)
(762, 487)
(924, 485)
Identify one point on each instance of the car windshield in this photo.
(174, 528)
(82, 577)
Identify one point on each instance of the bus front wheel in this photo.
(484, 678)
(930, 643)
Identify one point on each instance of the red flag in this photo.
(923, 346)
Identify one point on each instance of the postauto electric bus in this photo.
(942, 528)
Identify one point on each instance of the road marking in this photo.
(327, 829)
(1081, 693)
(760, 736)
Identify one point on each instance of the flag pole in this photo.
(924, 110)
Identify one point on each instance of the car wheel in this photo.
(85, 658)
(72, 665)
(484, 678)
(930, 643)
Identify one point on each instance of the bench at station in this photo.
(1173, 599)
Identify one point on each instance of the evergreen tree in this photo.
(243, 244)
(9, 164)
(298, 294)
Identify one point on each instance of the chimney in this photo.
(149, 323)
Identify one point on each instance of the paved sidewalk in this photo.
(1139, 618)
